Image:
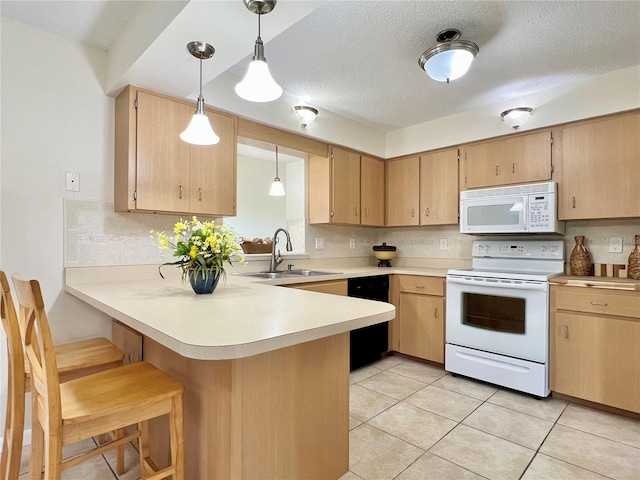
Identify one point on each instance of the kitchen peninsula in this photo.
(265, 369)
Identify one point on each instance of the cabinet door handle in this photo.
(496, 170)
(366, 212)
(565, 331)
(180, 192)
(413, 212)
(357, 211)
(600, 304)
(426, 212)
(573, 202)
(436, 312)
(420, 286)
(513, 168)
(199, 194)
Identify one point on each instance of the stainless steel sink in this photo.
(287, 274)
(310, 273)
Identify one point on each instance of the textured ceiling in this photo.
(359, 59)
(92, 23)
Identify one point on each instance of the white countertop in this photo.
(244, 316)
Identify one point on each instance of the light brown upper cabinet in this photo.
(156, 171)
(521, 159)
(423, 190)
(345, 188)
(403, 192)
(371, 191)
(601, 168)
(439, 188)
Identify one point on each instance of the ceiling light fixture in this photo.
(450, 58)
(199, 131)
(305, 114)
(515, 117)
(258, 85)
(277, 189)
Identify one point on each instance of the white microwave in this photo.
(528, 208)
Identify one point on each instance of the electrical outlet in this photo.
(444, 244)
(319, 243)
(72, 182)
(352, 243)
(615, 244)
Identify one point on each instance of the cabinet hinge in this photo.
(552, 168)
(551, 140)
(331, 155)
(135, 103)
(135, 195)
(458, 157)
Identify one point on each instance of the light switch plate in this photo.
(319, 243)
(72, 182)
(352, 243)
(444, 244)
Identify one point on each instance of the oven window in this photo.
(492, 312)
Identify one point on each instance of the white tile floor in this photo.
(411, 421)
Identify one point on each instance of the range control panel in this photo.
(519, 249)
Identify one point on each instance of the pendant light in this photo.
(305, 114)
(258, 85)
(277, 189)
(199, 131)
(450, 58)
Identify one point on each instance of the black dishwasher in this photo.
(369, 343)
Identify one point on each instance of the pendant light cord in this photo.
(277, 176)
(201, 74)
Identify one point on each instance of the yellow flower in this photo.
(179, 227)
(193, 253)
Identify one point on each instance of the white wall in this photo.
(258, 215)
(608, 93)
(55, 118)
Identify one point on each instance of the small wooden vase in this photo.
(634, 261)
(580, 259)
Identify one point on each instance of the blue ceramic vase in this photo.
(201, 285)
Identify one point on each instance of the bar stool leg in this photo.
(176, 436)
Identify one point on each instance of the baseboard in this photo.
(26, 438)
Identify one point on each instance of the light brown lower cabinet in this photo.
(595, 345)
(335, 287)
(418, 329)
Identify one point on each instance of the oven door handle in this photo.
(507, 284)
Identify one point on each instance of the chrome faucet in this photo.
(277, 260)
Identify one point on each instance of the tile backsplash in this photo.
(95, 235)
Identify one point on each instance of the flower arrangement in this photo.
(202, 248)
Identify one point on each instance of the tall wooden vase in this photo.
(580, 259)
(634, 261)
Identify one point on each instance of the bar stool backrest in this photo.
(14, 422)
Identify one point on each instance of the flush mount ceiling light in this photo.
(277, 189)
(258, 85)
(305, 114)
(515, 117)
(199, 131)
(450, 58)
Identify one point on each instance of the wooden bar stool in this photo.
(74, 360)
(94, 404)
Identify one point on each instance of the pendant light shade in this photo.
(258, 85)
(450, 58)
(515, 117)
(277, 189)
(199, 131)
